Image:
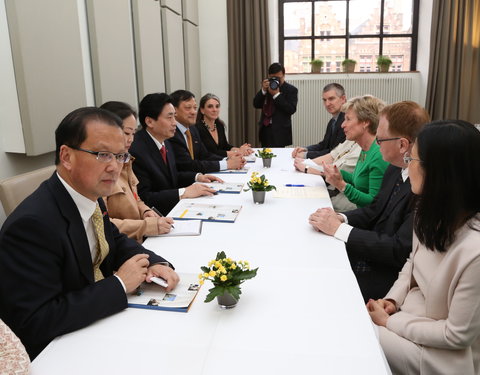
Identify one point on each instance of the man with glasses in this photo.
(378, 237)
(63, 264)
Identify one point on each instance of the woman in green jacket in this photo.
(360, 125)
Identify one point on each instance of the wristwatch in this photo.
(306, 169)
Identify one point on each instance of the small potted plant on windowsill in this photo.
(316, 65)
(349, 65)
(383, 63)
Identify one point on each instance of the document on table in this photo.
(184, 228)
(224, 187)
(301, 192)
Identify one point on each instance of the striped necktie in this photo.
(102, 244)
(189, 143)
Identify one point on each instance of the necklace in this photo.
(208, 127)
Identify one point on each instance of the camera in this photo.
(274, 83)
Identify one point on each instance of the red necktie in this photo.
(163, 151)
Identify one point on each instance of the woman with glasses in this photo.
(360, 126)
(126, 210)
(212, 129)
(429, 321)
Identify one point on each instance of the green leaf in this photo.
(205, 269)
(234, 291)
(214, 292)
(221, 255)
(248, 274)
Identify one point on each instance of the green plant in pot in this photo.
(349, 65)
(383, 63)
(316, 65)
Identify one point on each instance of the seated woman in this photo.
(360, 125)
(212, 129)
(126, 210)
(429, 321)
(13, 356)
(344, 157)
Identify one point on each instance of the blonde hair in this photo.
(367, 108)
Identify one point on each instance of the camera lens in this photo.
(274, 83)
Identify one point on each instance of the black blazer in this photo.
(204, 162)
(382, 239)
(47, 284)
(158, 183)
(219, 149)
(331, 139)
(285, 105)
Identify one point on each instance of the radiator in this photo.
(311, 118)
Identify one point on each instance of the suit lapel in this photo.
(76, 231)
(154, 151)
(171, 163)
(404, 190)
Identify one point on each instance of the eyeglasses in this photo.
(407, 158)
(106, 156)
(385, 140)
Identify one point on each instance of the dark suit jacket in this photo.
(47, 284)
(285, 105)
(382, 239)
(332, 138)
(158, 183)
(204, 162)
(219, 149)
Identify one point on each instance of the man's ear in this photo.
(405, 145)
(66, 157)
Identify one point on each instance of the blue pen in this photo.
(292, 185)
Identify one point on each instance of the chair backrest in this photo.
(14, 190)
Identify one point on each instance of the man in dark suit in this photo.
(278, 101)
(160, 184)
(334, 98)
(378, 237)
(190, 152)
(63, 265)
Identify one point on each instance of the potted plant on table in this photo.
(383, 63)
(266, 154)
(349, 65)
(259, 186)
(316, 65)
(226, 275)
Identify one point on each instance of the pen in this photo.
(293, 185)
(158, 213)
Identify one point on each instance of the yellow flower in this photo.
(202, 282)
(213, 273)
(200, 276)
(211, 263)
(268, 150)
(233, 266)
(218, 264)
(223, 278)
(229, 260)
(205, 275)
(222, 270)
(265, 183)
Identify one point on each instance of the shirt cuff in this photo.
(121, 282)
(276, 95)
(343, 232)
(223, 164)
(181, 191)
(196, 176)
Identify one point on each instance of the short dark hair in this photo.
(121, 109)
(71, 131)
(405, 119)
(275, 68)
(151, 106)
(181, 96)
(450, 158)
(335, 86)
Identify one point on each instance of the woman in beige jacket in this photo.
(429, 322)
(125, 208)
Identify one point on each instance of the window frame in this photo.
(381, 35)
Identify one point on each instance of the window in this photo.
(333, 30)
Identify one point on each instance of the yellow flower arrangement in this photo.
(226, 275)
(266, 153)
(257, 183)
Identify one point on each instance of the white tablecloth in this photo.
(302, 314)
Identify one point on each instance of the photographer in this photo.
(278, 101)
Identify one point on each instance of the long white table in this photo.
(302, 314)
